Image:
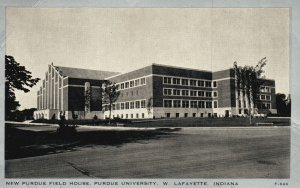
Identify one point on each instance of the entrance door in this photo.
(226, 113)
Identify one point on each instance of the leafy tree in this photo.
(109, 95)
(248, 82)
(283, 104)
(16, 78)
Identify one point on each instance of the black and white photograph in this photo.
(140, 94)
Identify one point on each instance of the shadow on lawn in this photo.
(21, 143)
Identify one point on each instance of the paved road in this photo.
(261, 152)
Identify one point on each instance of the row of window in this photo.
(263, 105)
(265, 97)
(265, 89)
(176, 103)
(131, 83)
(187, 92)
(188, 82)
(127, 116)
(127, 105)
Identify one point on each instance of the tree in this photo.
(16, 78)
(248, 82)
(283, 105)
(109, 95)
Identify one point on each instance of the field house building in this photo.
(155, 91)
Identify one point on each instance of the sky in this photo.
(121, 40)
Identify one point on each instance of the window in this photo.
(143, 103)
(201, 93)
(131, 83)
(137, 104)
(215, 94)
(167, 91)
(268, 90)
(194, 114)
(143, 81)
(126, 116)
(126, 85)
(131, 105)
(136, 82)
(214, 84)
(168, 115)
(122, 86)
(177, 115)
(176, 92)
(215, 104)
(131, 116)
(185, 82)
(185, 92)
(177, 103)
(193, 93)
(113, 106)
(176, 81)
(268, 97)
(201, 104)
(194, 104)
(207, 84)
(117, 87)
(167, 80)
(167, 103)
(268, 105)
(143, 115)
(262, 97)
(126, 105)
(201, 83)
(208, 94)
(185, 115)
(122, 106)
(193, 82)
(208, 104)
(185, 104)
(118, 106)
(137, 116)
(122, 116)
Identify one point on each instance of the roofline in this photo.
(170, 66)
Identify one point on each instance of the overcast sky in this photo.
(121, 40)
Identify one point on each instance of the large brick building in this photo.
(155, 91)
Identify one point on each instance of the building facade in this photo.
(71, 91)
(159, 91)
(155, 91)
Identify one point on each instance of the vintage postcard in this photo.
(150, 95)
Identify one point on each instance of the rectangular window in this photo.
(185, 92)
(215, 104)
(215, 94)
(126, 85)
(143, 103)
(137, 104)
(176, 92)
(185, 115)
(185, 104)
(131, 83)
(268, 90)
(143, 115)
(167, 91)
(262, 97)
(131, 115)
(122, 86)
(176, 103)
(122, 106)
(193, 93)
(268, 106)
(176, 81)
(113, 106)
(168, 103)
(207, 84)
(201, 104)
(185, 82)
(118, 106)
(126, 105)
(193, 82)
(194, 114)
(131, 105)
(137, 116)
(208, 104)
(201, 83)
(167, 80)
(126, 116)
(194, 104)
(214, 84)
(268, 97)
(143, 81)
(136, 82)
(208, 94)
(201, 93)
